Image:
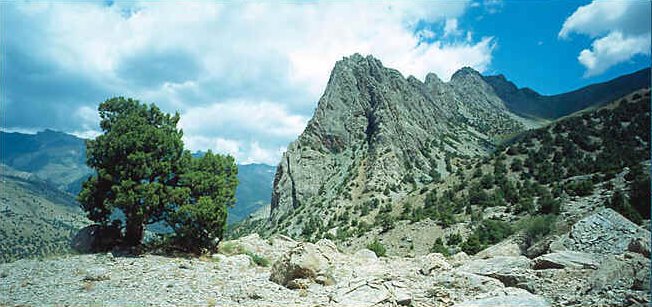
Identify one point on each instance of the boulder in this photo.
(459, 258)
(511, 271)
(496, 264)
(433, 262)
(366, 255)
(466, 284)
(372, 292)
(96, 238)
(365, 293)
(299, 266)
(604, 232)
(97, 274)
(623, 272)
(540, 248)
(505, 248)
(640, 245)
(566, 259)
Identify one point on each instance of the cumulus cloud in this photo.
(620, 29)
(244, 76)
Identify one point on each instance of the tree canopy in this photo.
(142, 169)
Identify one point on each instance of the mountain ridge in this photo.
(526, 101)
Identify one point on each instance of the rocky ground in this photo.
(602, 260)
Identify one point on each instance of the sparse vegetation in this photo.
(377, 247)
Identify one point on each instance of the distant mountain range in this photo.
(59, 159)
(527, 101)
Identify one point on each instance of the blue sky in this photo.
(246, 76)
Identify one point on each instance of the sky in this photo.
(246, 76)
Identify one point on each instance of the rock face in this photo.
(604, 232)
(375, 131)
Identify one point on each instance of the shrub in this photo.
(439, 247)
(377, 247)
(258, 260)
(454, 239)
(579, 188)
(548, 205)
(472, 245)
(537, 227)
(620, 204)
(231, 248)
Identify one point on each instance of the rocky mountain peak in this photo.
(376, 132)
(465, 73)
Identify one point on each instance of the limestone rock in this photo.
(459, 258)
(540, 248)
(97, 274)
(433, 262)
(365, 254)
(505, 248)
(304, 263)
(604, 232)
(511, 271)
(566, 259)
(622, 271)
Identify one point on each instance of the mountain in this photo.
(59, 158)
(382, 148)
(254, 190)
(377, 134)
(527, 101)
(53, 156)
(36, 219)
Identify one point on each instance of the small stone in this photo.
(97, 274)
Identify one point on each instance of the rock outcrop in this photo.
(604, 232)
(375, 132)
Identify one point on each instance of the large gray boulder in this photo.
(511, 271)
(604, 232)
(567, 259)
(629, 271)
(300, 266)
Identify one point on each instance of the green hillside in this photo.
(36, 219)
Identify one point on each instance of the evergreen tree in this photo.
(138, 160)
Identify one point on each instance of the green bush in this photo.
(377, 247)
(579, 188)
(454, 239)
(258, 260)
(231, 248)
(472, 245)
(549, 205)
(439, 247)
(620, 204)
(537, 227)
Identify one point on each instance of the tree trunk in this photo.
(134, 231)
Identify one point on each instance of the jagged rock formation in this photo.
(375, 132)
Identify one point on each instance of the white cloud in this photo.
(243, 73)
(611, 50)
(240, 127)
(450, 28)
(621, 30)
